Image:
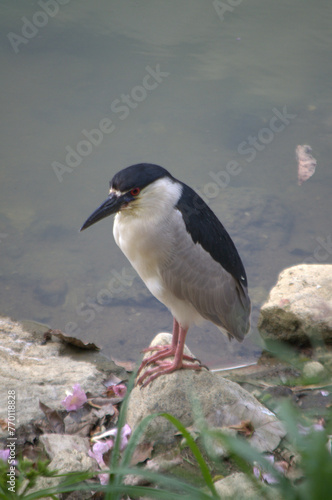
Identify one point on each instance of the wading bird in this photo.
(183, 254)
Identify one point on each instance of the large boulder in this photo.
(42, 372)
(299, 307)
(191, 395)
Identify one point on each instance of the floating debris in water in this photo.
(69, 340)
(306, 163)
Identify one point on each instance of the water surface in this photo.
(220, 98)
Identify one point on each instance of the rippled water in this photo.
(221, 96)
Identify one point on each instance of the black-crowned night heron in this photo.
(183, 254)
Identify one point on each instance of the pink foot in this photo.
(164, 351)
(174, 350)
(164, 368)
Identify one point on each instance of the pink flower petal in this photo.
(119, 390)
(125, 434)
(75, 400)
(101, 447)
(269, 478)
(103, 478)
(98, 450)
(4, 454)
(257, 472)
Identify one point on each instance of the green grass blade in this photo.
(241, 449)
(121, 422)
(195, 450)
(168, 485)
(135, 438)
(115, 457)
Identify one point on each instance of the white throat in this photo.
(142, 230)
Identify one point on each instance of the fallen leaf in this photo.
(301, 388)
(245, 428)
(268, 430)
(53, 417)
(107, 410)
(3, 424)
(141, 453)
(80, 422)
(306, 163)
(71, 340)
(99, 402)
(46, 337)
(33, 453)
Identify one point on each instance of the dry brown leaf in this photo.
(300, 388)
(33, 453)
(3, 424)
(99, 402)
(71, 340)
(105, 411)
(245, 428)
(80, 422)
(141, 453)
(54, 418)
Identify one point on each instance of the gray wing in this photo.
(191, 274)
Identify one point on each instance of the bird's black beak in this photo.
(110, 206)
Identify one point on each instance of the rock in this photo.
(69, 460)
(58, 445)
(238, 486)
(39, 372)
(189, 395)
(299, 307)
(215, 444)
(313, 370)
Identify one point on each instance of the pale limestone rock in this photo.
(39, 372)
(238, 486)
(299, 307)
(314, 369)
(191, 395)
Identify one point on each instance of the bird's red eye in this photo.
(135, 191)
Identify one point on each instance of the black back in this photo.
(205, 228)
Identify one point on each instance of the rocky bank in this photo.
(298, 311)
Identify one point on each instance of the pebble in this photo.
(313, 369)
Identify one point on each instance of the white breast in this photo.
(143, 231)
(139, 243)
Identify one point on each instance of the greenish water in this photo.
(220, 93)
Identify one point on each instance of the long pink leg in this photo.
(164, 351)
(165, 367)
